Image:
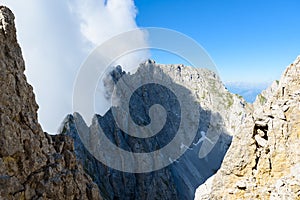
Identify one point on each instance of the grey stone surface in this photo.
(221, 113)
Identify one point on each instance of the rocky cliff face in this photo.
(220, 114)
(263, 160)
(114, 184)
(33, 164)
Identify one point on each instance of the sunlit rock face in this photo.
(263, 160)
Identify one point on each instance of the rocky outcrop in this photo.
(220, 114)
(263, 160)
(33, 164)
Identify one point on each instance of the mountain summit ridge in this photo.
(220, 114)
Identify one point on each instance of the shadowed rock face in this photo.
(114, 184)
(263, 160)
(220, 112)
(33, 165)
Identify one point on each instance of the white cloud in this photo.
(100, 22)
(56, 36)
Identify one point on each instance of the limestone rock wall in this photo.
(263, 160)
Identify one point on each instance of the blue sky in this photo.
(250, 41)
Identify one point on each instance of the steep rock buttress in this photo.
(33, 164)
(263, 161)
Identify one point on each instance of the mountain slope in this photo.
(220, 114)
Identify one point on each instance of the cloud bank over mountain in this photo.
(57, 36)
